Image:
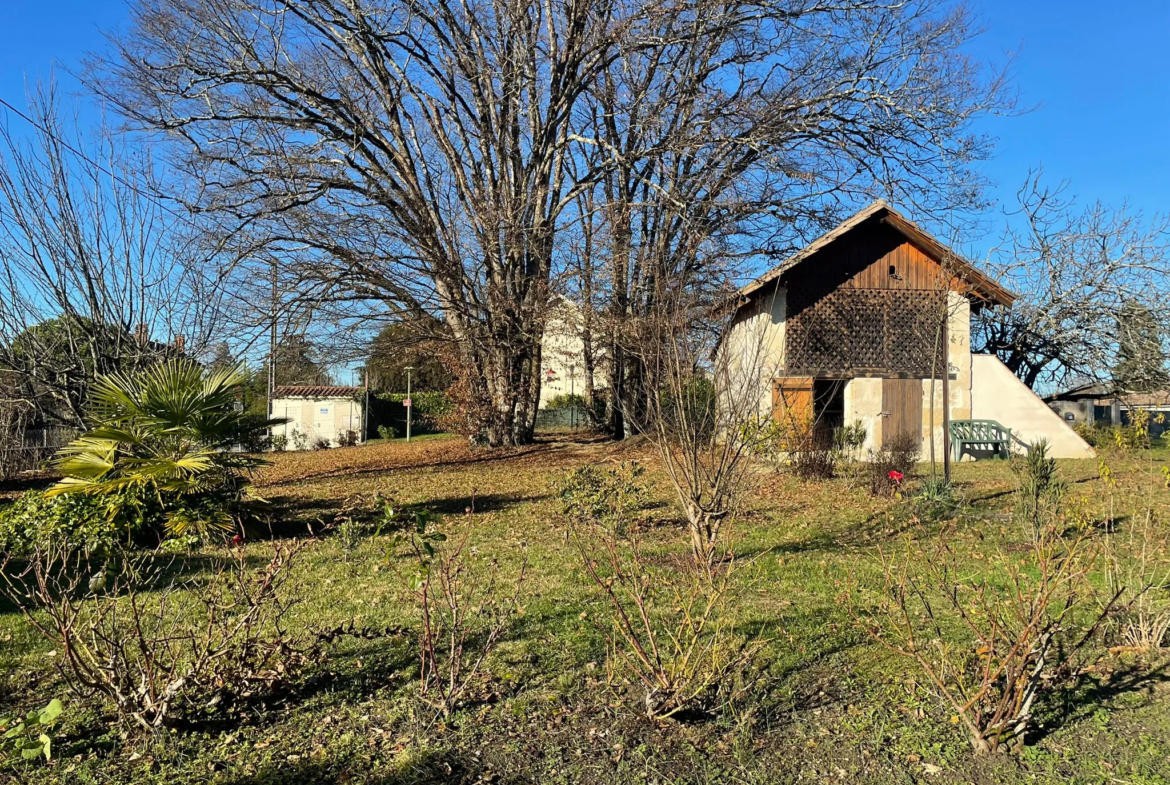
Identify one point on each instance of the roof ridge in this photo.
(875, 207)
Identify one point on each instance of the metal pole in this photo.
(272, 344)
(573, 395)
(946, 392)
(410, 408)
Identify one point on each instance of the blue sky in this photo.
(1095, 73)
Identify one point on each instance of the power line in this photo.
(52, 135)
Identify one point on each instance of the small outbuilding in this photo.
(318, 413)
(871, 324)
(1100, 404)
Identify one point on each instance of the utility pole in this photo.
(409, 403)
(272, 344)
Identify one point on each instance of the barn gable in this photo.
(870, 298)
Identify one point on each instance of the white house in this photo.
(853, 328)
(562, 353)
(317, 412)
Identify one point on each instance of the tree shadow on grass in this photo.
(483, 502)
(1083, 698)
(424, 767)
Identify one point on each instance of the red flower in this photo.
(237, 540)
(895, 475)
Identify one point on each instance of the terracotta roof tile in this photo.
(314, 391)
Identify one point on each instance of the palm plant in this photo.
(167, 432)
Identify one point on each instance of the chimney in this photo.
(179, 344)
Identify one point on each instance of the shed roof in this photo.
(880, 210)
(314, 391)
(1104, 394)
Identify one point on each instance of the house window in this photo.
(1070, 417)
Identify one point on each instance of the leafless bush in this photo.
(889, 464)
(666, 629)
(704, 410)
(147, 642)
(813, 456)
(990, 641)
(464, 610)
(1138, 564)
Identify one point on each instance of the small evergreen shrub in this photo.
(1039, 489)
(300, 441)
(609, 498)
(386, 432)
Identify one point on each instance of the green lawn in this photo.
(829, 706)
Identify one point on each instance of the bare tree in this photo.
(410, 154)
(96, 273)
(1076, 270)
(410, 158)
(752, 125)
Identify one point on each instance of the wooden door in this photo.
(901, 409)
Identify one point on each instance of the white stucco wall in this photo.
(752, 353)
(863, 401)
(317, 417)
(959, 381)
(997, 394)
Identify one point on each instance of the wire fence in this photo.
(562, 418)
(26, 449)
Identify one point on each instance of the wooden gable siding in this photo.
(862, 261)
(849, 316)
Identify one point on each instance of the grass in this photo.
(830, 706)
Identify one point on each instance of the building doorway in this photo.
(901, 409)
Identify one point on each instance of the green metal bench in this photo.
(980, 435)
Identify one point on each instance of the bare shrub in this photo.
(814, 455)
(145, 641)
(990, 643)
(666, 629)
(890, 463)
(703, 413)
(1137, 561)
(463, 605)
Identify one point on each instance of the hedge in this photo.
(387, 409)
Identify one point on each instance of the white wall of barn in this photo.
(753, 349)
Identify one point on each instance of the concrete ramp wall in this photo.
(997, 394)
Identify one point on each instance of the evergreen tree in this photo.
(298, 363)
(397, 346)
(1141, 357)
(223, 359)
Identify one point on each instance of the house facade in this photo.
(562, 353)
(871, 323)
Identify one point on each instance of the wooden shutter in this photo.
(792, 401)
